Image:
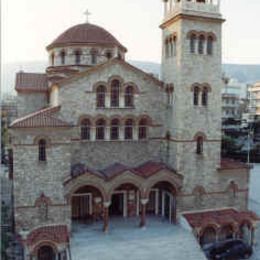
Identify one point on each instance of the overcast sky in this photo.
(28, 26)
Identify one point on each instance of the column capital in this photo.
(106, 204)
(144, 201)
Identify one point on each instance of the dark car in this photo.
(229, 249)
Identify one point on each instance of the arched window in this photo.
(171, 47)
(115, 93)
(93, 57)
(166, 48)
(142, 129)
(196, 92)
(101, 96)
(193, 39)
(52, 59)
(85, 128)
(114, 132)
(62, 57)
(42, 150)
(129, 96)
(204, 97)
(175, 46)
(77, 56)
(108, 55)
(129, 124)
(210, 45)
(199, 149)
(100, 129)
(201, 44)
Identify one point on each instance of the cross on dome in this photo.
(87, 13)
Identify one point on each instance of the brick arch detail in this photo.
(200, 134)
(208, 225)
(39, 137)
(100, 83)
(49, 243)
(89, 117)
(132, 84)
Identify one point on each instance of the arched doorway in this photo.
(208, 236)
(87, 204)
(226, 232)
(46, 253)
(162, 201)
(125, 201)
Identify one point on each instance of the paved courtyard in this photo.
(126, 241)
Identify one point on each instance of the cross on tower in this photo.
(87, 13)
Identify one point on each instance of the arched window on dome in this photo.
(210, 45)
(143, 129)
(193, 40)
(62, 57)
(78, 54)
(100, 129)
(204, 96)
(201, 44)
(42, 150)
(129, 96)
(199, 145)
(115, 93)
(93, 55)
(196, 92)
(101, 96)
(114, 131)
(129, 125)
(85, 128)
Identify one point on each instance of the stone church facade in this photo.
(97, 137)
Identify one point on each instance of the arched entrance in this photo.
(226, 232)
(125, 201)
(162, 201)
(87, 204)
(46, 253)
(208, 236)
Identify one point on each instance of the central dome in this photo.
(85, 34)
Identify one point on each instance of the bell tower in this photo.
(191, 61)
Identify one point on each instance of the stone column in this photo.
(143, 212)
(106, 216)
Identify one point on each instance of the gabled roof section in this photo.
(111, 63)
(43, 118)
(31, 82)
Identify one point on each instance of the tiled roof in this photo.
(229, 164)
(40, 119)
(219, 217)
(57, 234)
(85, 34)
(114, 170)
(36, 82)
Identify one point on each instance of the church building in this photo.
(97, 137)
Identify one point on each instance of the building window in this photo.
(129, 96)
(210, 45)
(101, 96)
(52, 59)
(93, 57)
(115, 93)
(142, 130)
(85, 128)
(193, 39)
(199, 149)
(100, 129)
(175, 46)
(62, 57)
(201, 44)
(129, 129)
(108, 55)
(77, 56)
(114, 132)
(166, 48)
(42, 150)
(204, 97)
(196, 92)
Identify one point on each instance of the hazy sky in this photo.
(28, 26)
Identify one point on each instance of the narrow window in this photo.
(193, 39)
(115, 93)
(42, 150)
(52, 59)
(196, 92)
(77, 56)
(204, 97)
(114, 133)
(171, 47)
(201, 44)
(166, 48)
(199, 145)
(142, 131)
(175, 46)
(85, 128)
(108, 55)
(62, 57)
(93, 57)
(129, 96)
(129, 129)
(101, 96)
(210, 45)
(100, 129)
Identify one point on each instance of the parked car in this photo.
(228, 249)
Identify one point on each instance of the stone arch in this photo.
(195, 85)
(192, 32)
(100, 83)
(43, 243)
(132, 84)
(200, 134)
(213, 35)
(40, 137)
(88, 117)
(118, 117)
(146, 117)
(208, 233)
(129, 116)
(207, 86)
(100, 116)
(226, 231)
(115, 77)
